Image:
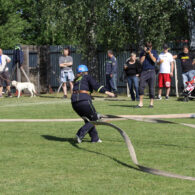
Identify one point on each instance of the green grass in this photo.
(42, 158)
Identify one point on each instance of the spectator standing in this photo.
(111, 73)
(67, 75)
(165, 61)
(132, 69)
(148, 58)
(187, 63)
(4, 73)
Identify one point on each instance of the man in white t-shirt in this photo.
(4, 74)
(166, 71)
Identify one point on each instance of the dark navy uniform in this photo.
(111, 69)
(82, 104)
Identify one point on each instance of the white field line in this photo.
(41, 120)
(162, 116)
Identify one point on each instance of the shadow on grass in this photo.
(46, 96)
(115, 100)
(127, 106)
(96, 96)
(76, 145)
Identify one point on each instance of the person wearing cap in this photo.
(165, 61)
(81, 101)
(67, 75)
(148, 58)
(4, 73)
(187, 63)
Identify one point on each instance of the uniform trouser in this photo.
(148, 76)
(86, 109)
(111, 83)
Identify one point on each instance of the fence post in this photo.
(44, 58)
(176, 80)
(25, 66)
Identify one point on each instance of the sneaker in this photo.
(109, 96)
(159, 97)
(98, 141)
(64, 97)
(138, 106)
(78, 139)
(167, 97)
(151, 106)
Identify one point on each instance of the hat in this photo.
(82, 68)
(165, 46)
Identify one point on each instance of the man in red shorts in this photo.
(166, 71)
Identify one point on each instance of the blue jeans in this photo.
(111, 83)
(133, 82)
(188, 76)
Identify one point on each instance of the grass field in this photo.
(43, 158)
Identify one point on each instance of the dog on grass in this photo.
(24, 85)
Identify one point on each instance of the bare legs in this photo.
(141, 101)
(8, 90)
(167, 92)
(1, 89)
(64, 86)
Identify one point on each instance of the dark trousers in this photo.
(86, 109)
(148, 76)
(111, 83)
(133, 82)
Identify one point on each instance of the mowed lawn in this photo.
(43, 158)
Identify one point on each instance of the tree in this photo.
(83, 26)
(191, 23)
(11, 25)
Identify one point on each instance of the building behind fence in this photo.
(42, 65)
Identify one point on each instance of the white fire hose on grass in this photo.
(132, 152)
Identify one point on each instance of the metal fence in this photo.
(54, 71)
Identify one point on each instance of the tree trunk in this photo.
(91, 45)
(92, 57)
(191, 24)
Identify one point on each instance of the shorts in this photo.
(67, 76)
(164, 80)
(4, 77)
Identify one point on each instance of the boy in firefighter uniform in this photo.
(84, 84)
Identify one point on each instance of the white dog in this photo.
(26, 85)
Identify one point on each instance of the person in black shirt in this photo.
(148, 58)
(84, 84)
(187, 63)
(132, 69)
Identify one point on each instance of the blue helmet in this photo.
(82, 68)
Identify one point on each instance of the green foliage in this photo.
(116, 24)
(12, 25)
